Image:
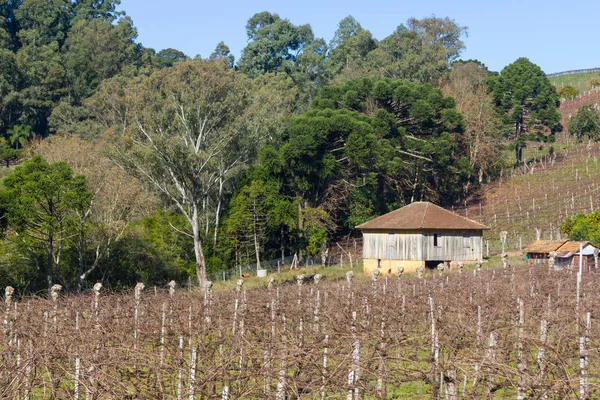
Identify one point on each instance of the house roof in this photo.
(571, 246)
(545, 246)
(421, 215)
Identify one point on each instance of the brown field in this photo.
(410, 338)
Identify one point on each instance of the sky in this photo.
(556, 35)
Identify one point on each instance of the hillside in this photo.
(538, 196)
(580, 81)
(568, 108)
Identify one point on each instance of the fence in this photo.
(283, 264)
(573, 72)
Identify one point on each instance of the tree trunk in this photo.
(218, 211)
(256, 246)
(80, 262)
(198, 251)
(49, 264)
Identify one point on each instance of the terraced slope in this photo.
(568, 108)
(537, 197)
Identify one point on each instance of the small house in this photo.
(420, 234)
(566, 253)
(540, 249)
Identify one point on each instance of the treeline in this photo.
(153, 165)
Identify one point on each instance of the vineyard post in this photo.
(300, 282)
(180, 370)
(8, 295)
(324, 369)
(28, 369)
(434, 342)
(374, 276)
(479, 330)
(542, 350)
(583, 359)
(193, 364)
(163, 324)
(491, 357)
(381, 387)
(54, 293)
(520, 356)
(451, 384)
(316, 312)
(281, 381)
(97, 288)
(137, 297)
(76, 383)
(349, 276)
(354, 374)
(579, 278)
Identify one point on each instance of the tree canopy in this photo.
(583, 227)
(585, 123)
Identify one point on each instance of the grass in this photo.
(579, 81)
(287, 276)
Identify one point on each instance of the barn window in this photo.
(379, 263)
(391, 240)
(466, 241)
(437, 240)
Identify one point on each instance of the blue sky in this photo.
(556, 35)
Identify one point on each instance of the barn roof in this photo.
(545, 246)
(421, 215)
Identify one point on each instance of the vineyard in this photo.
(520, 331)
(533, 200)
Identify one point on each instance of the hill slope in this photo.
(537, 197)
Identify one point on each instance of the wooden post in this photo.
(583, 359)
(451, 385)
(324, 370)
(520, 356)
(193, 364)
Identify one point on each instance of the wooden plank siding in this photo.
(414, 245)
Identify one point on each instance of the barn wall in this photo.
(411, 245)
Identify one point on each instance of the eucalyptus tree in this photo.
(190, 127)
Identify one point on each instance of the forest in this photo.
(124, 164)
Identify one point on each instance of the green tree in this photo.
(420, 51)
(363, 149)
(184, 142)
(586, 122)
(274, 44)
(96, 9)
(222, 51)
(349, 46)
(526, 100)
(40, 201)
(567, 92)
(8, 154)
(584, 227)
(168, 57)
(19, 135)
(96, 50)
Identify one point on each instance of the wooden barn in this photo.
(420, 234)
